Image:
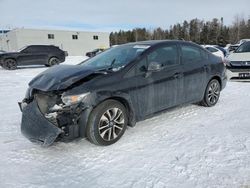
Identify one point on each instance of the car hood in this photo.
(239, 56)
(60, 77)
(8, 53)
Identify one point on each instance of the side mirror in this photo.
(154, 66)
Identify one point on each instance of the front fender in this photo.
(123, 98)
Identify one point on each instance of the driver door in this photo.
(160, 89)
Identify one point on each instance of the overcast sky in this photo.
(110, 15)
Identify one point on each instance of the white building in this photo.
(74, 42)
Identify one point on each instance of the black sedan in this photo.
(98, 98)
(47, 55)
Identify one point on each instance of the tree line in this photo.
(196, 30)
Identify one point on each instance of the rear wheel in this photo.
(9, 64)
(107, 123)
(53, 61)
(212, 93)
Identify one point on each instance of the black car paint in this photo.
(142, 93)
(66, 76)
(34, 55)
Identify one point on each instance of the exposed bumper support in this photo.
(36, 127)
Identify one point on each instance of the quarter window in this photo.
(191, 54)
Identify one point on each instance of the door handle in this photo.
(177, 75)
(206, 67)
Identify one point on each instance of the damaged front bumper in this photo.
(46, 124)
(35, 126)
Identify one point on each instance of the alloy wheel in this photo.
(54, 61)
(111, 124)
(10, 64)
(213, 92)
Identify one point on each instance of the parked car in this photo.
(238, 63)
(2, 51)
(215, 50)
(98, 98)
(233, 47)
(94, 52)
(225, 52)
(242, 41)
(47, 55)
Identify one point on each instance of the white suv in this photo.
(238, 63)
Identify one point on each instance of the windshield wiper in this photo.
(107, 69)
(110, 68)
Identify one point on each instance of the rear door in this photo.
(195, 70)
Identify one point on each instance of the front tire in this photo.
(9, 64)
(107, 123)
(212, 93)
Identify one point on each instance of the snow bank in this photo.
(188, 146)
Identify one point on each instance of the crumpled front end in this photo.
(45, 119)
(36, 127)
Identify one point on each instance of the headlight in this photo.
(28, 93)
(73, 99)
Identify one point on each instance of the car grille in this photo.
(239, 69)
(240, 63)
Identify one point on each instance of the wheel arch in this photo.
(13, 58)
(218, 78)
(127, 104)
(52, 56)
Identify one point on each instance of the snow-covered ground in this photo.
(188, 146)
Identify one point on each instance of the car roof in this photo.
(156, 42)
(38, 45)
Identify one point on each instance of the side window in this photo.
(166, 55)
(211, 49)
(39, 49)
(141, 66)
(204, 54)
(190, 54)
(34, 49)
(27, 49)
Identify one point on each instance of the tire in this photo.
(107, 123)
(212, 93)
(9, 64)
(53, 61)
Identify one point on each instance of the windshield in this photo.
(21, 49)
(117, 57)
(245, 47)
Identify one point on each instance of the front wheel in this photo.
(107, 123)
(212, 93)
(9, 64)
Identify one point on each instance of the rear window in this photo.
(210, 49)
